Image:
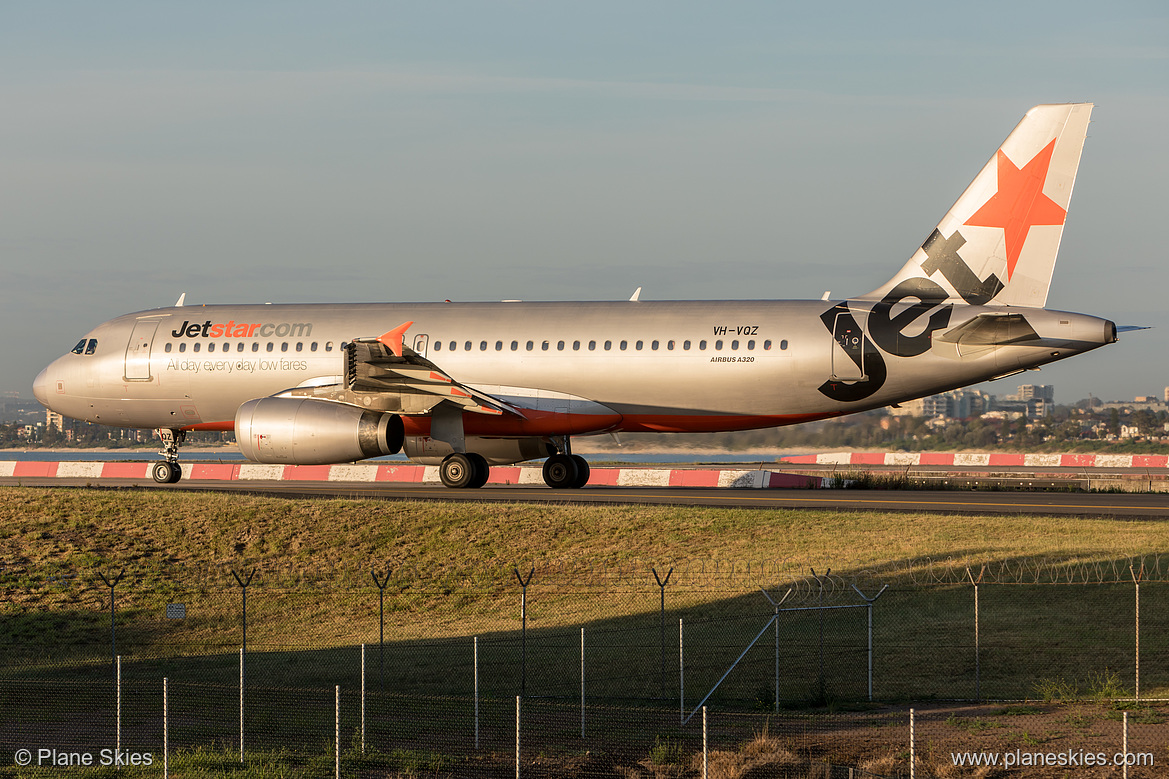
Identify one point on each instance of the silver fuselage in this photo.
(626, 366)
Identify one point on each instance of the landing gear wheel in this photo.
(482, 470)
(457, 471)
(561, 472)
(166, 472)
(582, 471)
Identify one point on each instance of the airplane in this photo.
(469, 385)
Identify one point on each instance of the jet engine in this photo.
(306, 431)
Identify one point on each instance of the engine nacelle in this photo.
(497, 451)
(305, 431)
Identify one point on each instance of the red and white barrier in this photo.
(985, 459)
(407, 473)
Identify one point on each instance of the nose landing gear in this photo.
(168, 471)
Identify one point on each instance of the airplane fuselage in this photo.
(624, 366)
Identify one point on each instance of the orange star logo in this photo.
(1020, 203)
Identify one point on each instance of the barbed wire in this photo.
(634, 576)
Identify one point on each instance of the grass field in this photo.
(313, 602)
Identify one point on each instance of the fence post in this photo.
(705, 754)
(681, 678)
(476, 663)
(165, 734)
(517, 737)
(662, 621)
(118, 684)
(113, 630)
(1124, 746)
(243, 584)
(820, 613)
(381, 640)
(912, 747)
(1136, 579)
(241, 704)
(977, 648)
(337, 732)
(777, 604)
(582, 692)
(869, 601)
(523, 632)
(363, 699)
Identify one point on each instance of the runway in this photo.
(1078, 504)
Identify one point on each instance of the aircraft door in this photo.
(138, 350)
(848, 349)
(420, 343)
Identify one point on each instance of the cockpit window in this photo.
(80, 347)
(92, 347)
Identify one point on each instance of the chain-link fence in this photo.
(575, 670)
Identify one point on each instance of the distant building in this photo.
(1038, 391)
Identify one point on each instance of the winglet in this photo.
(636, 295)
(393, 339)
(182, 298)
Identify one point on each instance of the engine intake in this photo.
(306, 431)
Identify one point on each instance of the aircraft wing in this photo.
(372, 366)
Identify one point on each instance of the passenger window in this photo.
(284, 346)
(467, 345)
(195, 347)
(686, 345)
(560, 346)
(515, 345)
(576, 346)
(183, 347)
(624, 345)
(240, 346)
(270, 346)
(328, 346)
(670, 345)
(544, 346)
(313, 346)
(255, 346)
(608, 345)
(299, 346)
(718, 344)
(92, 346)
(734, 344)
(592, 346)
(499, 346)
(702, 345)
(452, 346)
(211, 346)
(80, 347)
(783, 344)
(750, 345)
(654, 346)
(167, 348)
(482, 346)
(638, 346)
(437, 345)
(529, 346)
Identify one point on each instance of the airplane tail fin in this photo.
(998, 243)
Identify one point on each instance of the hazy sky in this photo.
(349, 151)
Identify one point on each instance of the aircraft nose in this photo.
(40, 387)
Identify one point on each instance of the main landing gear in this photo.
(566, 470)
(468, 470)
(464, 470)
(168, 471)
